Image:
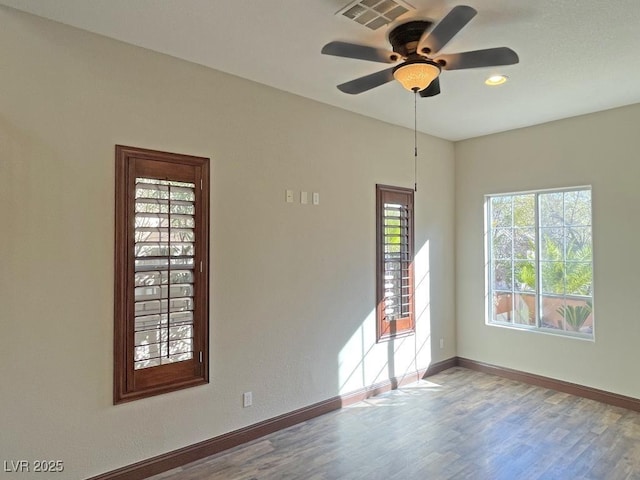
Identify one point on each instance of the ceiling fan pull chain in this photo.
(415, 140)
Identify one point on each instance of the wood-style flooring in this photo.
(458, 424)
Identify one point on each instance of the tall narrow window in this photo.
(394, 252)
(161, 272)
(539, 251)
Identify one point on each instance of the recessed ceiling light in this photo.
(496, 80)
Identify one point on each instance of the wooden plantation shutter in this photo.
(161, 291)
(164, 266)
(394, 251)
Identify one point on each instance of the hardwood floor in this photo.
(458, 424)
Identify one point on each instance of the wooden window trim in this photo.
(405, 325)
(130, 384)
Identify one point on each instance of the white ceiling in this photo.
(576, 56)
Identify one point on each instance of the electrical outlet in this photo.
(247, 399)
(442, 343)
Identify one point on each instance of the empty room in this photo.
(377, 239)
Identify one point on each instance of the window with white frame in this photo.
(539, 261)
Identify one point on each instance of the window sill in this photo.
(545, 331)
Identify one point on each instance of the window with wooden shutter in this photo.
(161, 272)
(394, 252)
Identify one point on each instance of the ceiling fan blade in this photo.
(479, 58)
(360, 52)
(432, 90)
(432, 41)
(367, 82)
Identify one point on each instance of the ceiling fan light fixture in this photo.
(417, 75)
(494, 80)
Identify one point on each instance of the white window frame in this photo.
(538, 327)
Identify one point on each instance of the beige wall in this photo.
(292, 285)
(599, 150)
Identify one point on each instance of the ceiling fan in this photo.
(416, 43)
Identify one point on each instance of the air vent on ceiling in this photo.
(375, 13)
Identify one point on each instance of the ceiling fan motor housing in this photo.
(404, 38)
